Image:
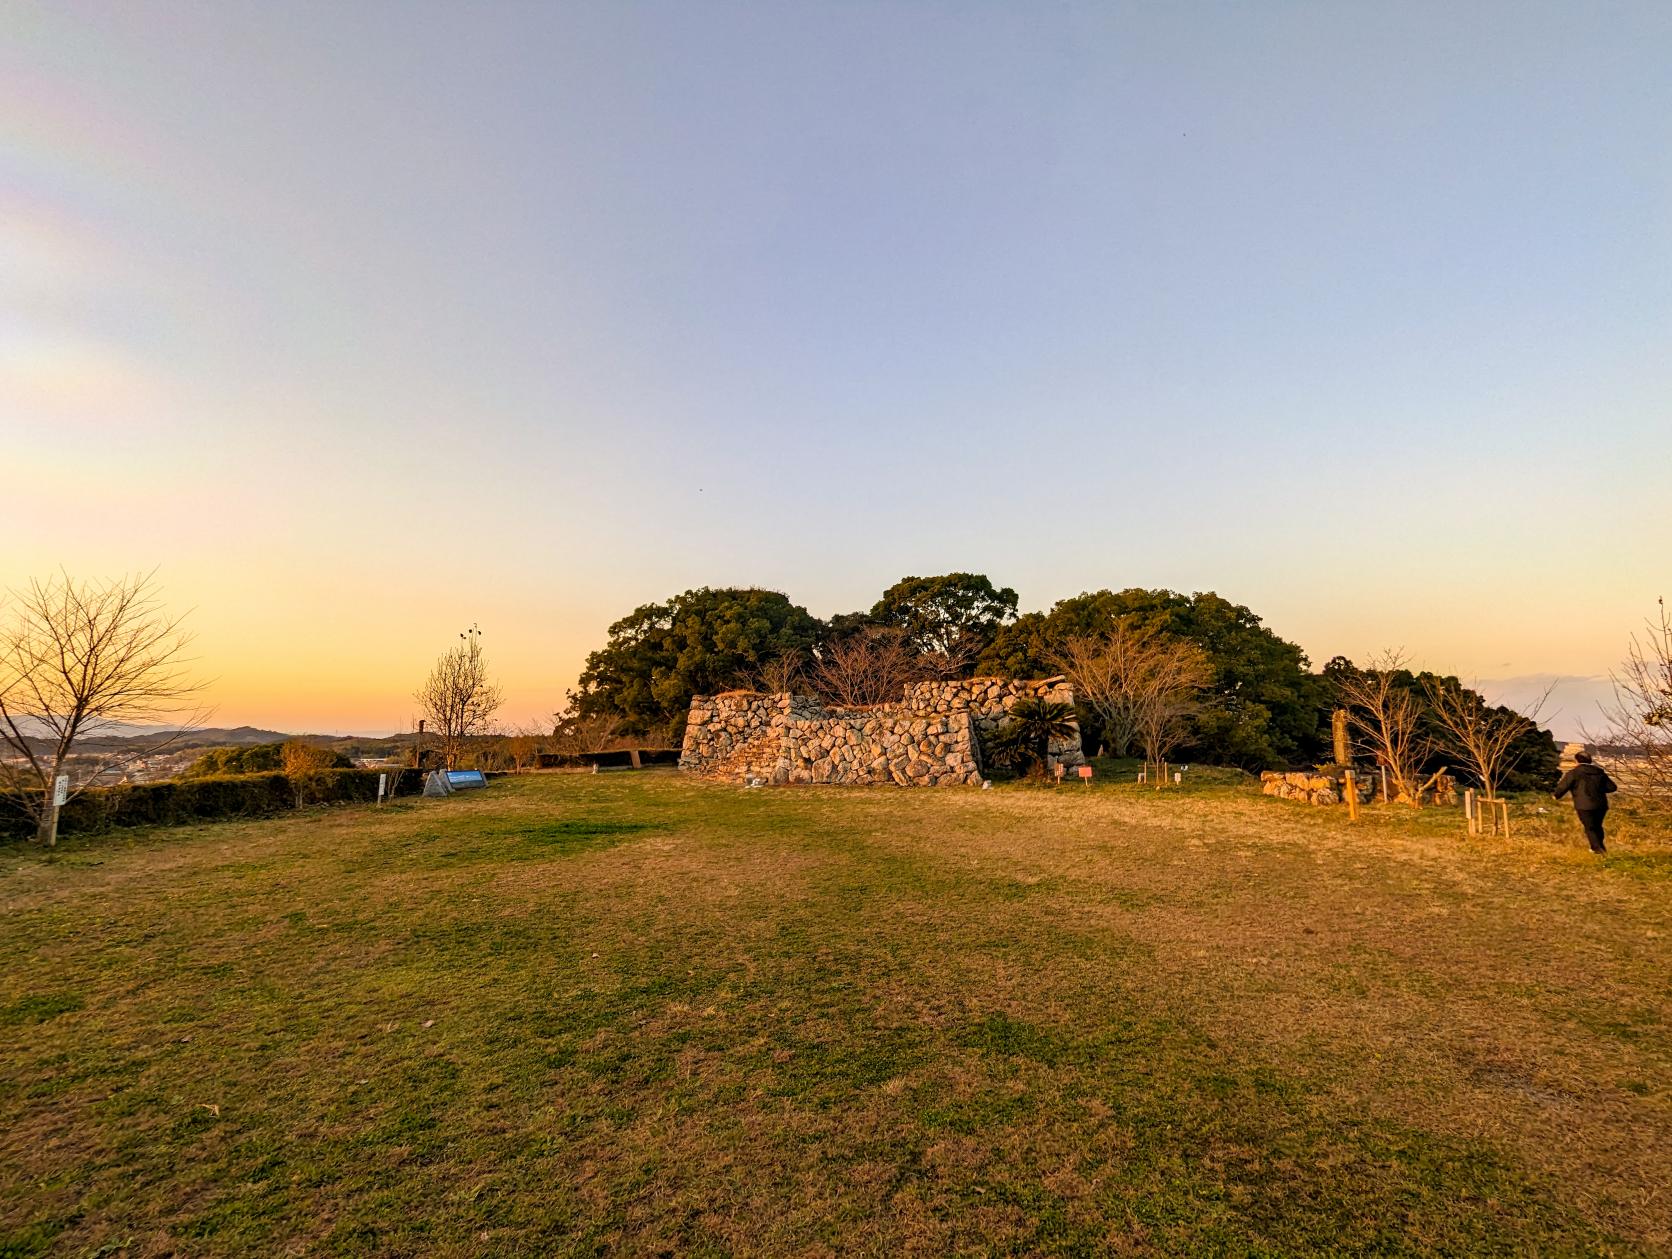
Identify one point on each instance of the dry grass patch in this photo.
(632, 1013)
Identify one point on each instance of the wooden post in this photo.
(1469, 808)
(1385, 785)
(1350, 787)
(1338, 727)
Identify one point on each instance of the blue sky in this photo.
(367, 321)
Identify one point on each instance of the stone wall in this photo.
(931, 738)
(1312, 788)
(989, 701)
(1318, 787)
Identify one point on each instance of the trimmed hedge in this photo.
(190, 800)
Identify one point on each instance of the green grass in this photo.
(635, 1014)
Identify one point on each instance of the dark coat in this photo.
(1590, 785)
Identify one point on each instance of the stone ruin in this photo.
(1330, 786)
(1313, 787)
(932, 737)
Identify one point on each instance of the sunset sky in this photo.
(361, 322)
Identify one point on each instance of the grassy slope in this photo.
(577, 1014)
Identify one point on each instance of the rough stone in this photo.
(931, 737)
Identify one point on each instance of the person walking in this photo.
(1590, 784)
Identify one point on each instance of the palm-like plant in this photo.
(1024, 741)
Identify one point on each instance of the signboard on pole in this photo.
(61, 791)
(382, 787)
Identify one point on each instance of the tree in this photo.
(1024, 740)
(304, 764)
(1107, 670)
(75, 659)
(1267, 705)
(862, 669)
(782, 673)
(1489, 740)
(458, 699)
(253, 758)
(574, 732)
(521, 748)
(1170, 675)
(697, 643)
(1388, 715)
(950, 619)
(1639, 720)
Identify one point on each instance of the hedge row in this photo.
(189, 800)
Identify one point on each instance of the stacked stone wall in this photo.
(989, 701)
(1311, 788)
(931, 738)
(1331, 787)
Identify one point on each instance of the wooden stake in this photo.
(1352, 797)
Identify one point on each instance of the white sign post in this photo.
(382, 787)
(61, 791)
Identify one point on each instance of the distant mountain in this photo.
(237, 735)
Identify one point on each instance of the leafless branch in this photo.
(1639, 720)
(871, 667)
(458, 698)
(77, 658)
(1481, 736)
(1387, 717)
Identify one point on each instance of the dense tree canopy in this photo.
(697, 643)
(1265, 704)
(954, 617)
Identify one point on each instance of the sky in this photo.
(363, 322)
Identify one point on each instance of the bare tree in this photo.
(1386, 714)
(1107, 671)
(1640, 718)
(523, 745)
(458, 699)
(1169, 678)
(575, 734)
(780, 674)
(951, 659)
(873, 666)
(75, 659)
(1480, 736)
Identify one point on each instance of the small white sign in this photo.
(61, 791)
(1177, 778)
(382, 785)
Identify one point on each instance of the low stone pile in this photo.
(1312, 787)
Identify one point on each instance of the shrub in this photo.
(257, 758)
(193, 800)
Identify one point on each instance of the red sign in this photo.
(1085, 771)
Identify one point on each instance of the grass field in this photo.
(636, 1014)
